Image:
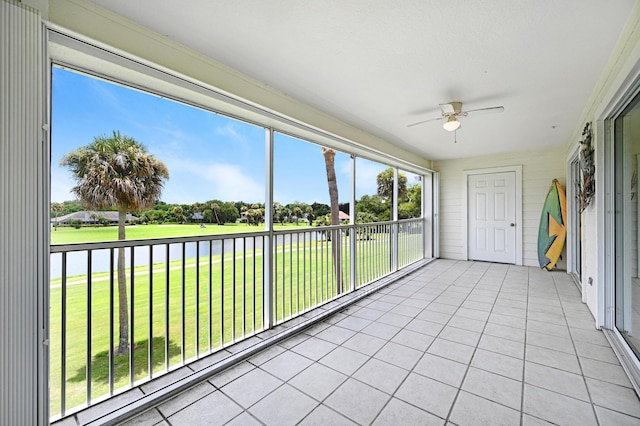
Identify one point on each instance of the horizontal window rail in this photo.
(188, 297)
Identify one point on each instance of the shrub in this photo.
(76, 223)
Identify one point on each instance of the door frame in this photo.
(465, 206)
(574, 256)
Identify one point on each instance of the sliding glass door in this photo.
(627, 281)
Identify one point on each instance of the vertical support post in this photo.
(233, 289)
(63, 342)
(427, 215)
(395, 226)
(150, 330)
(167, 301)
(267, 250)
(197, 300)
(112, 372)
(210, 293)
(132, 317)
(183, 308)
(435, 205)
(89, 314)
(352, 222)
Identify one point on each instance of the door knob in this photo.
(512, 225)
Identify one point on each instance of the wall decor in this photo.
(587, 183)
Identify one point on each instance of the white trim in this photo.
(573, 231)
(427, 215)
(625, 354)
(605, 195)
(517, 169)
(605, 240)
(436, 215)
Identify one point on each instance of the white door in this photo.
(492, 217)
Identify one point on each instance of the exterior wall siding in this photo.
(539, 168)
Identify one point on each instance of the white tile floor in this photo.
(456, 343)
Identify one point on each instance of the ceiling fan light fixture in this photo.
(451, 124)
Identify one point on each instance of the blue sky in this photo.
(209, 156)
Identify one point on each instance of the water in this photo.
(77, 261)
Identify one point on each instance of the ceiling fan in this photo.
(452, 110)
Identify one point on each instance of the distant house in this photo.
(343, 216)
(197, 217)
(90, 217)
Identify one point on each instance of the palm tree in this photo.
(117, 171)
(329, 161)
(216, 208)
(56, 209)
(385, 184)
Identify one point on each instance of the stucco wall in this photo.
(539, 168)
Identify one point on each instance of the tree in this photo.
(216, 208)
(297, 214)
(116, 171)
(385, 185)
(56, 209)
(279, 214)
(371, 208)
(178, 213)
(308, 211)
(329, 161)
(207, 215)
(411, 206)
(228, 213)
(320, 209)
(255, 215)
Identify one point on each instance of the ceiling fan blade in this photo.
(425, 121)
(490, 109)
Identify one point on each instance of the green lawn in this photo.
(222, 319)
(69, 235)
(220, 300)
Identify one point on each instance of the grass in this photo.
(222, 320)
(162, 296)
(87, 234)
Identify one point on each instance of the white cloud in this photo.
(230, 130)
(227, 182)
(366, 173)
(61, 182)
(232, 184)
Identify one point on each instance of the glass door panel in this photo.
(627, 281)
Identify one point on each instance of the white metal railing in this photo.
(188, 297)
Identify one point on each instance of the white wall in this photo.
(615, 82)
(539, 168)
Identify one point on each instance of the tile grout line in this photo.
(524, 354)
(392, 396)
(321, 402)
(573, 344)
(464, 377)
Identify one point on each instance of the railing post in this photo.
(267, 250)
(395, 225)
(352, 222)
(424, 196)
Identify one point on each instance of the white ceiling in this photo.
(383, 65)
